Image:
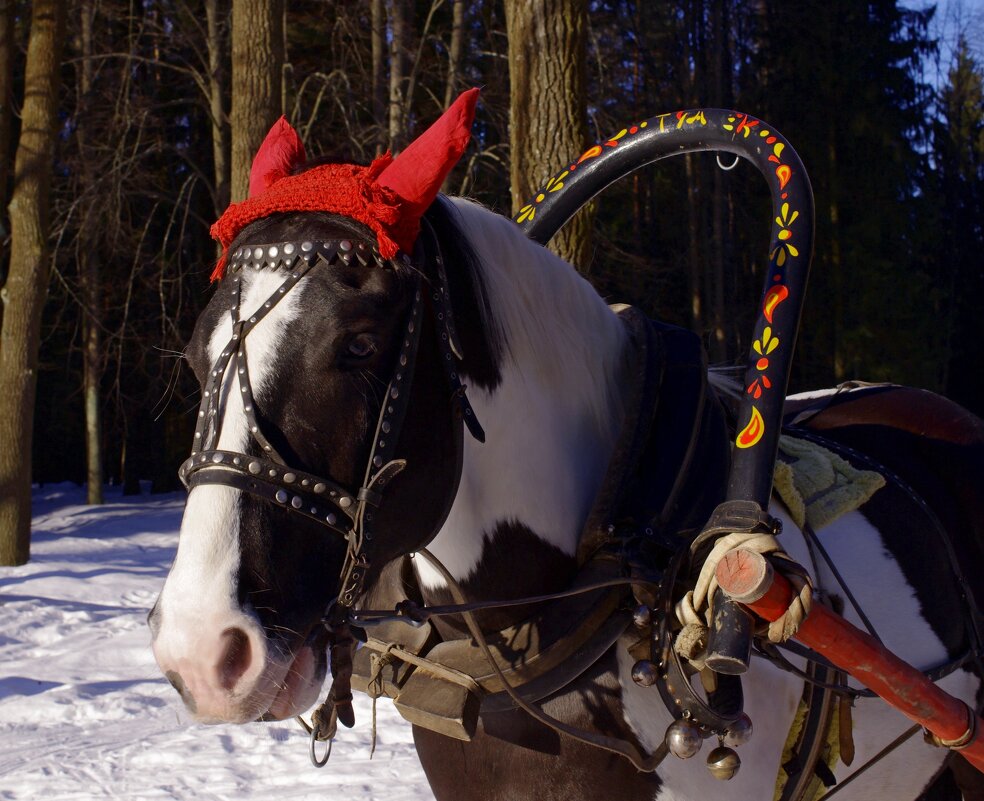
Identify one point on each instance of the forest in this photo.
(127, 126)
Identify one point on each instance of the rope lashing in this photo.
(694, 610)
(377, 662)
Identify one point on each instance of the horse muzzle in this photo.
(232, 672)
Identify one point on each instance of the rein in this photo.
(413, 614)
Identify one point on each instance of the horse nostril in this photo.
(236, 657)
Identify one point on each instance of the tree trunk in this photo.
(24, 292)
(836, 262)
(8, 46)
(694, 267)
(89, 258)
(720, 75)
(378, 34)
(693, 249)
(547, 106)
(257, 61)
(455, 51)
(220, 123)
(399, 43)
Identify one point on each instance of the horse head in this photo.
(311, 406)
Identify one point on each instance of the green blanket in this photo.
(817, 485)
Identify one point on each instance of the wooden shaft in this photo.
(741, 573)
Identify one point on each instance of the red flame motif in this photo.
(773, 298)
(752, 433)
(783, 173)
(590, 153)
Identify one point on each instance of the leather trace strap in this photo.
(625, 748)
(734, 516)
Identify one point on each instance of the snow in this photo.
(84, 711)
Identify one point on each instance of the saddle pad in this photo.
(818, 486)
(829, 753)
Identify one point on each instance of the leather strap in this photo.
(624, 748)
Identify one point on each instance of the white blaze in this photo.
(201, 588)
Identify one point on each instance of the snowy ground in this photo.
(84, 711)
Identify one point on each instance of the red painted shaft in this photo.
(742, 575)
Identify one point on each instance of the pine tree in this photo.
(842, 80)
(958, 150)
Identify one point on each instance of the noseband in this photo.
(345, 512)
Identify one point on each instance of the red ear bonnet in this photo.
(389, 196)
(280, 154)
(418, 172)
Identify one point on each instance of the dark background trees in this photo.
(547, 48)
(26, 281)
(159, 113)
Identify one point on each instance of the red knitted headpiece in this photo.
(389, 196)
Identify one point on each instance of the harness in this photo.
(646, 512)
(629, 542)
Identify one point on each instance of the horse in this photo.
(466, 396)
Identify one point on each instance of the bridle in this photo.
(345, 512)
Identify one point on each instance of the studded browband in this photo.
(268, 476)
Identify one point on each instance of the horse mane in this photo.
(554, 327)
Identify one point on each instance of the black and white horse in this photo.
(237, 628)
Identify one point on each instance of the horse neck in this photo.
(551, 421)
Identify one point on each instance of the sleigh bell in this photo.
(683, 738)
(739, 732)
(723, 763)
(645, 673)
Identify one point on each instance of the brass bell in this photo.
(683, 738)
(723, 763)
(739, 732)
(645, 673)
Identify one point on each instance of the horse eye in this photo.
(361, 347)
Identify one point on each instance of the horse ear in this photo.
(280, 153)
(417, 173)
